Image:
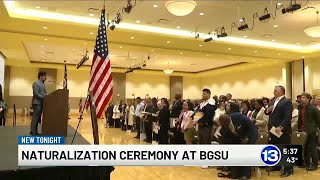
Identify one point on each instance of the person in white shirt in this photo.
(295, 116)
(221, 110)
(187, 123)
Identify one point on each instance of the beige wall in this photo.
(191, 87)
(253, 83)
(78, 81)
(21, 80)
(312, 74)
(154, 84)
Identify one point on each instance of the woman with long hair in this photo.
(187, 123)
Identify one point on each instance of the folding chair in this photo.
(263, 138)
(300, 138)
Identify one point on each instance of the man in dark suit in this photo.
(39, 93)
(280, 112)
(178, 137)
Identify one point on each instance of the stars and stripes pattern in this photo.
(101, 84)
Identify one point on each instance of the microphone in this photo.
(50, 81)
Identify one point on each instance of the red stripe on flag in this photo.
(104, 104)
(104, 89)
(95, 71)
(102, 76)
(93, 61)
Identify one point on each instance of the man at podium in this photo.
(39, 93)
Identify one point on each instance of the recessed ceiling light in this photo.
(91, 32)
(178, 27)
(45, 39)
(91, 14)
(273, 40)
(298, 43)
(181, 52)
(275, 26)
(42, 60)
(155, 5)
(131, 37)
(207, 55)
(152, 50)
(168, 42)
(38, 7)
(200, 45)
(279, 54)
(245, 36)
(42, 46)
(302, 56)
(229, 48)
(84, 43)
(42, 52)
(137, 21)
(201, 14)
(255, 51)
(45, 27)
(120, 47)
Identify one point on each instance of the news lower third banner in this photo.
(52, 151)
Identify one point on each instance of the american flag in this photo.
(101, 83)
(65, 80)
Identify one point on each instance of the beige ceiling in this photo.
(23, 37)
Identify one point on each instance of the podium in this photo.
(55, 113)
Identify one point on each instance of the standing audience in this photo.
(164, 122)
(280, 115)
(309, 122)
(187, 123)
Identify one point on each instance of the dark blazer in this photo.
(164, 119)
(244, 127)
(281, 115)
(39, 92)
(208, 114)
(227, 137)
(176, 108)
(311, 119)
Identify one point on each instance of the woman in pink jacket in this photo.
(187, 123)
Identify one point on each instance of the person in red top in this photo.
(309, 122)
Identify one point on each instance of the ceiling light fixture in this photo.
(291, 8)
(201, 14)
(245, 36)
(45, 39)
(38, 7)
(168, 71)
(168, 42)
(275, 26)
(91, 14)
(200, 45)
(155, 5)
(131, 37)
(45, 27)
(229, 48)
(178, 27)
(120, 47)
(91, 33)
(313, 31)
(273, 40)
(180, 8)
(138, 21)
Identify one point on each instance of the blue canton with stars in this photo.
(101, 48)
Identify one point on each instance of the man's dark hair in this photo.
(138, 98)
(41, 73)
(282, 89)
(206, 90)
(265, 98)
(307, 95)
(229, 95)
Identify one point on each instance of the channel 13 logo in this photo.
(271, 155)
